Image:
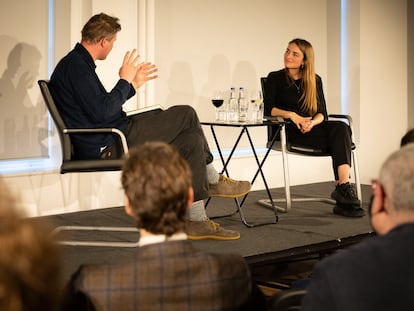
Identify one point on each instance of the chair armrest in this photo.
(342, 116)
(115, 131)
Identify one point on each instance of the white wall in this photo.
(410, 64)
(383, 84)
(202, 46)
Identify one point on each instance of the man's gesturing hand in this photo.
(129, 66)
(145, 72)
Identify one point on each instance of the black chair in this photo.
(284, 146)
(70, 165)
(287, 300)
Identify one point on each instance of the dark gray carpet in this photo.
(307, 228)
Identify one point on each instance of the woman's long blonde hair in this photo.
(309, 96)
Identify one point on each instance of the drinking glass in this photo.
(256, 100)
(218, 101)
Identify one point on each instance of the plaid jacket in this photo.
(166, 276)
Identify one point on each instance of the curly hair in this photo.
(156, 181)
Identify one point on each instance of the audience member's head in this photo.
(29, 260)
(407, 138)
(393, 201)
(157, 185)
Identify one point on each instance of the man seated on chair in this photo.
(376, 274)
(166, 272)
(84, 103)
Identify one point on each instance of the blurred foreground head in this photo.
(29, 260)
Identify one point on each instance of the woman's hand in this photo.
(304, 124)
(316, 119)
(307, 126)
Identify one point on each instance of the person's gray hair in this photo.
(397, 178)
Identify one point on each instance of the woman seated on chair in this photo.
(296, 93)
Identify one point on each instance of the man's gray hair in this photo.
(397, 178)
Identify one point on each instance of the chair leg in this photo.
(288, 198)
(356, 173)
(285, 168)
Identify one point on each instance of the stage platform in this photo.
(308, 229)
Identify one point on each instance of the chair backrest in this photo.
(69, 164)
(271, 130)
(65, 141)
(263, 81)
(287, 300)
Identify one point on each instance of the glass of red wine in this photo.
(218, 101)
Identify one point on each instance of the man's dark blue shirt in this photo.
(83, 101)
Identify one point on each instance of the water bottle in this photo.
(232, 107)
(243, 106)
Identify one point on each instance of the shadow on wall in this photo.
(220, 78)
(181, 85)
(23, 116)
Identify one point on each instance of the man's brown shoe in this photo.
(203, 230)
(229, 188)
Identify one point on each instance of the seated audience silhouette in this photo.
(375, 274)
(166, 272)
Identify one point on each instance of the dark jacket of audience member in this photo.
(376, 274)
